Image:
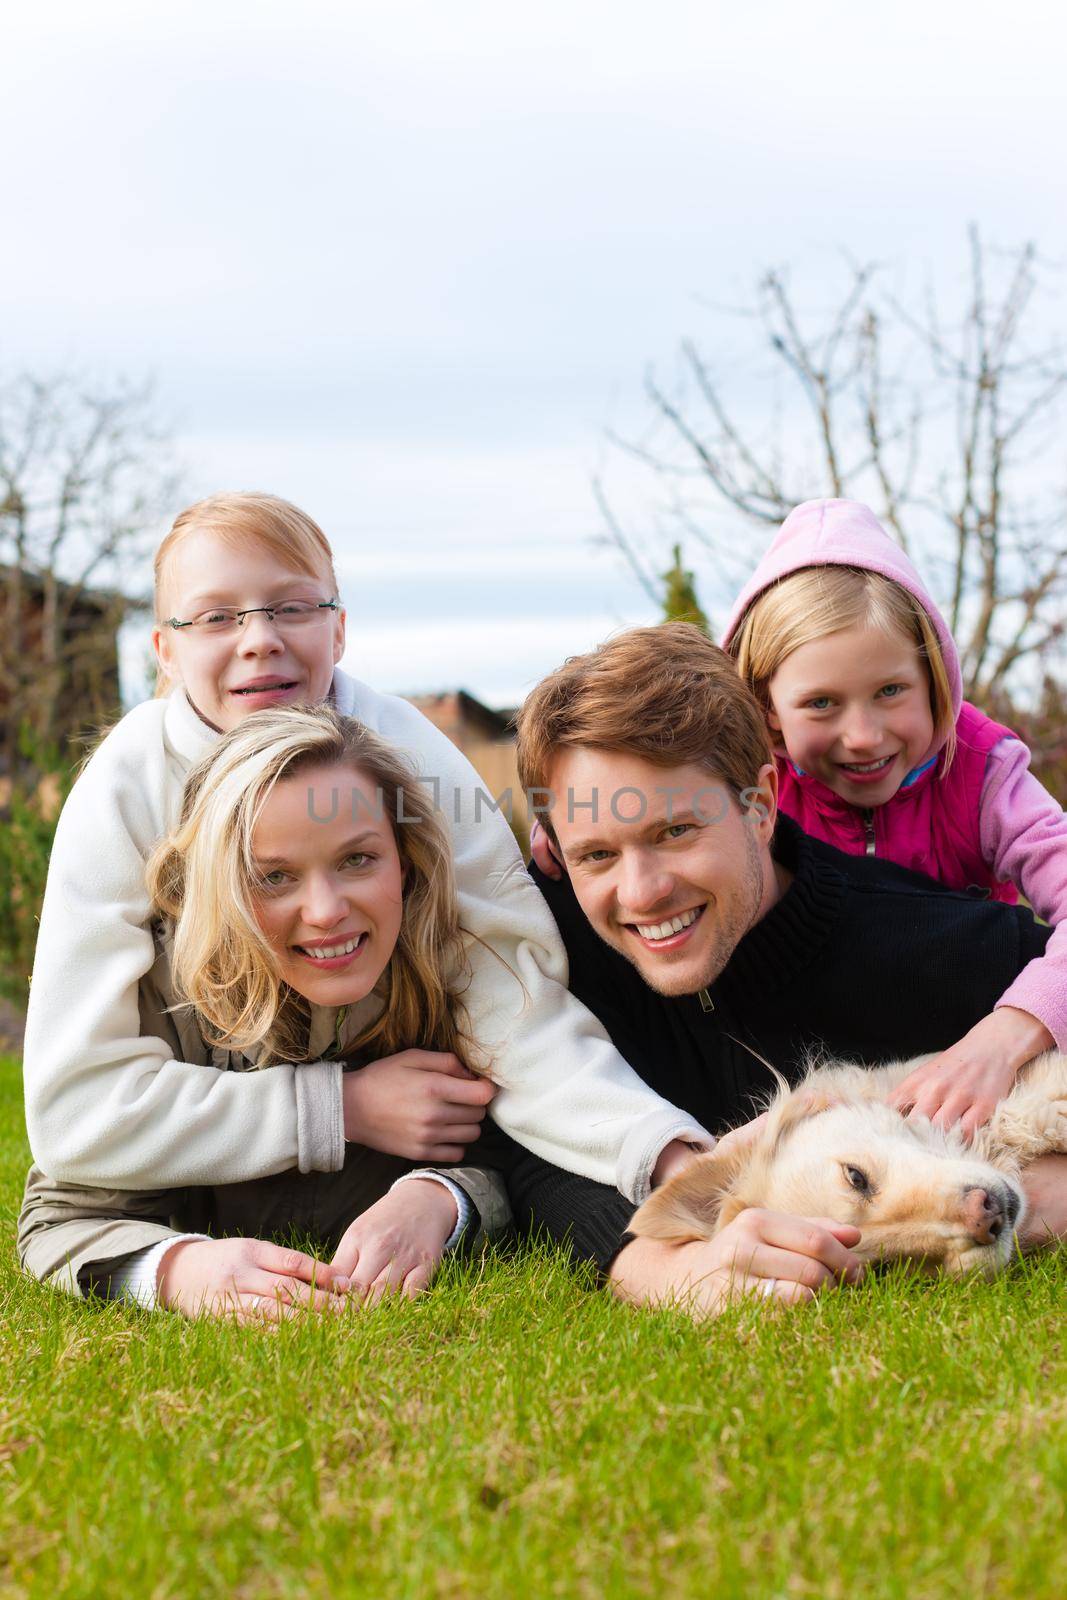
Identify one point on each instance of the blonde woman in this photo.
(307, 913)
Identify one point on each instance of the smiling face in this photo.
(668, 869)
(228, 676)
(853, 710)
(329, 895)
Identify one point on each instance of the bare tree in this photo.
(84, 477)
(946, 429)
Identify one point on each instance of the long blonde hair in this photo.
(203, 876)
(816, 601)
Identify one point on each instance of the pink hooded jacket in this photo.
(986, 825)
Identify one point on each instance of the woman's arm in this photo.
(71, 1237)
(76, 1238)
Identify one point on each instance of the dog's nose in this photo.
(983, 1212)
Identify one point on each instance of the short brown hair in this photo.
(666, 694)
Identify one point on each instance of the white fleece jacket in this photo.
(110, 1107)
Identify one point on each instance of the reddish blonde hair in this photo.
(263, 521)
(666, 694)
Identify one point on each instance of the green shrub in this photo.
(30, 811)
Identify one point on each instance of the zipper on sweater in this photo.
(868, 831)
(706, 1002)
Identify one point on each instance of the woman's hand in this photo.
(967, 1082)
(762, 1253)
(397, 1242)
(422, 1104)
(246, 1278)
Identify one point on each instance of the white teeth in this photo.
(331, 952)
(866, 766)
(664, 930)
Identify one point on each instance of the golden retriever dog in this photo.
(831, 1147)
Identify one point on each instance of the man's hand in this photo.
(762, 1253)
(422, 1104)
(542, 853)
(967, 1082)
(246, 1278)
(394, 1246)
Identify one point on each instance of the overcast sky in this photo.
(405, 263)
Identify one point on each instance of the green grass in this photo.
(515, 1433)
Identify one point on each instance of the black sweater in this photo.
(859, 958)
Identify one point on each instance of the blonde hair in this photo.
(666, 694)
(203, 879)
(817, 601)
(247, 518)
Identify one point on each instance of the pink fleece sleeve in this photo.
(1024, 840)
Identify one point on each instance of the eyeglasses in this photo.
(285, 614)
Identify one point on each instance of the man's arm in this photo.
(589, 1219)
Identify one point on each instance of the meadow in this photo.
(518, 1432)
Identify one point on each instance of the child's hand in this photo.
(422, 1104)
(967, 1082)
(397, 1242)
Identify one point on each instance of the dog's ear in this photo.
(687, 1206)
(807, 1100)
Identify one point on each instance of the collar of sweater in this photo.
(190, 737)
(795, 930)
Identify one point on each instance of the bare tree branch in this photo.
(942, 422)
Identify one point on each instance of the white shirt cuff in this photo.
(135, 1278)
(464, 1204)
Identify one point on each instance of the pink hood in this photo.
(843, 533)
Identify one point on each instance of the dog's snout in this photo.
(984, 1212)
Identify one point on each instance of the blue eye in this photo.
(819, 703)
(678, 830)
(892, 690)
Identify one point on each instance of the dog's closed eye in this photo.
(859, 1180)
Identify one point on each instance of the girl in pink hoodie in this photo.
(879, 753)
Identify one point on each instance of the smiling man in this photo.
(712, 937)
